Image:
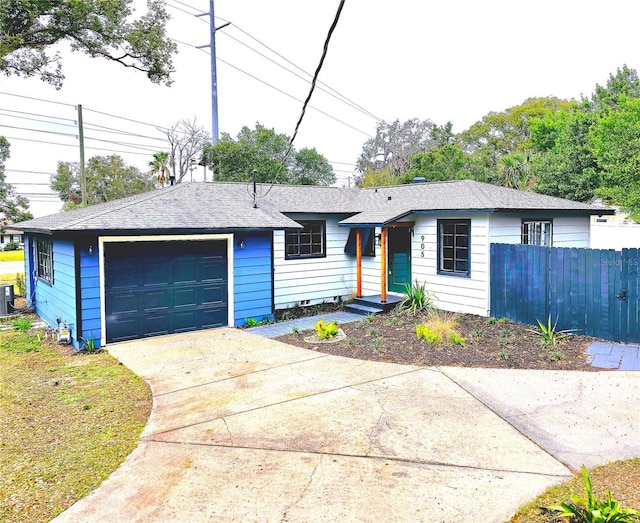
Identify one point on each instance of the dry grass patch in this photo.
(68, 421)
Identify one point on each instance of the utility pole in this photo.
(214, 75)
(83, 177)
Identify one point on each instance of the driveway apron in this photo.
(245, 428)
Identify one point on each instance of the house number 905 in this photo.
(422, 246)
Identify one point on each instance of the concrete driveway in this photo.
(247, 429)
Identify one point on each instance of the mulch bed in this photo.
(391, 337)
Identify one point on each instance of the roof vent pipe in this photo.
(419, 179)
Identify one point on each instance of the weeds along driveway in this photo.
(245, 428)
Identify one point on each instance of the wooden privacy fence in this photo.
(592, 291)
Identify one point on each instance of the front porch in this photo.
(366, 305)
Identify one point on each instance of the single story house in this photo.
(10, 236)
(204, 255)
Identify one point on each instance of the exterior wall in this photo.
(252, 286)
(567, 231)
(614, 232)
(89, 292)
(314, 280)
(56, 300)
(469, 294)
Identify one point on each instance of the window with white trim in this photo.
(44, 260)
(308, 242)
(454, 241)
(537, 232)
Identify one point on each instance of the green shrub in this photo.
(20, 284)
(12, 246)
(456, 338)
(416, 299)
(326, 331)
(251, 322)
(424, 332)
(592, 510)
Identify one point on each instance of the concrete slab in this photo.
(248, 429)
(587, 418)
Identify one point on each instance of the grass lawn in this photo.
(68, 421)
(7, 256)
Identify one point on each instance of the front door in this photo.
(399, 258)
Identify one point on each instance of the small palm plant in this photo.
(593, 510)
(416, 299)
(549, 334)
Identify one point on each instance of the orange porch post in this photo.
(383, 265)
(358, 263)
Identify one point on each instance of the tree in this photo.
(159, 166)
(615, 142)
(395, 143)
(448, 162)
(13, 207)
(509, 131)
(187, 141)
(107, 178)
(624, 83)
(564, 165)
(264, 150)
(31, 30)
(379, 178)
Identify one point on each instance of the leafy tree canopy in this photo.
(625, 83)
(107, 178)
(615, 143)
(508, 132)
(264, 150)
(395, 143)
(13, 207)
(31, 29)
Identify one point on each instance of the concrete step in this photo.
(361, 309)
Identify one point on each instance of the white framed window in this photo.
(44, 260)
(537, 232)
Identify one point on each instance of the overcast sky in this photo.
(444, 61)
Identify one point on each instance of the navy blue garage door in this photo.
(154, 288)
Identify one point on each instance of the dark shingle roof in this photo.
(210, 206)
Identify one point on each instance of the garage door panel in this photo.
(154, 288)
(156, 299)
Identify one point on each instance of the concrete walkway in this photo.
(245, 428)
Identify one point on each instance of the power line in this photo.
(74, 145)
(37, 99)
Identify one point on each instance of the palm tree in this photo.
(515, 171)
(159, 166)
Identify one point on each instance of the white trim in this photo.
(168, 237)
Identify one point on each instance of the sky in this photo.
(444, 61)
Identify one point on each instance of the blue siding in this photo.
(90, 291)
(58, 300)
(253, 282)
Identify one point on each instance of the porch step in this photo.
(373, 304)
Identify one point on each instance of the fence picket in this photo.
(580, 288)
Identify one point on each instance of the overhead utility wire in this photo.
(37, 99)
(351, 102)
(338, 97)
(160, 127)
(150, 148)
(326, 88)
(74, 145)
(91, 127)
(276, 89)
(325, 49)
